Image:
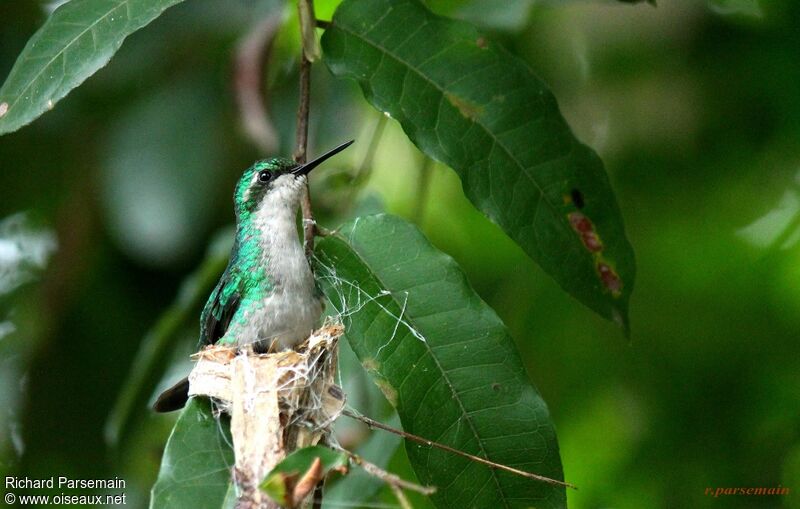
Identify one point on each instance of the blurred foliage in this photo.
(693, 107)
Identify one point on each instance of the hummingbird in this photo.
(267, 296)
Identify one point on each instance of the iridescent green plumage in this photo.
(247, 197)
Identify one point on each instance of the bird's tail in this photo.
(173, 398)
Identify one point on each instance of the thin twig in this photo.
(308, 25)
(252, 55)
(414, 438)
(301, 134)
(388, 478)
(318, 496)
(318, 490)
(401, 497)
(321, 23)
(365, 169)
(301, 147)
(423, 183)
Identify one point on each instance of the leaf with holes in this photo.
(467, 102)
(445, 360)
(196, 468)
(79, 38)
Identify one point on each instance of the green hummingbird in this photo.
(266, 296)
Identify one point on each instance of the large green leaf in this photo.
(79, 38)
(467, 102)
(445, 360)
(196, 468)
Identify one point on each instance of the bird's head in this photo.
(275, 182)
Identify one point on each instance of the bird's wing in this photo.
(214, 320)
(220, 308)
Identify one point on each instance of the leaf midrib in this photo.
(443, 372)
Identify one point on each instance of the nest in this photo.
(278, 402)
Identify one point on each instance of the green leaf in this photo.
(196, 467)
(445, 360)
(79, 38)
(295, 465)
(468, 103)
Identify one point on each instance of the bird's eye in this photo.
(264, 176)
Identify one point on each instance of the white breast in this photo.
(291, 311)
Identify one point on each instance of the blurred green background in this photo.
(694, 106)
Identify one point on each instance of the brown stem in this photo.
(318, 496)
(301, 134)
(401, 497)
(252, 55)
(389, 478)
(318, 489)
(414, 438)
(365, 169)
(301, 146)
(423, 183)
